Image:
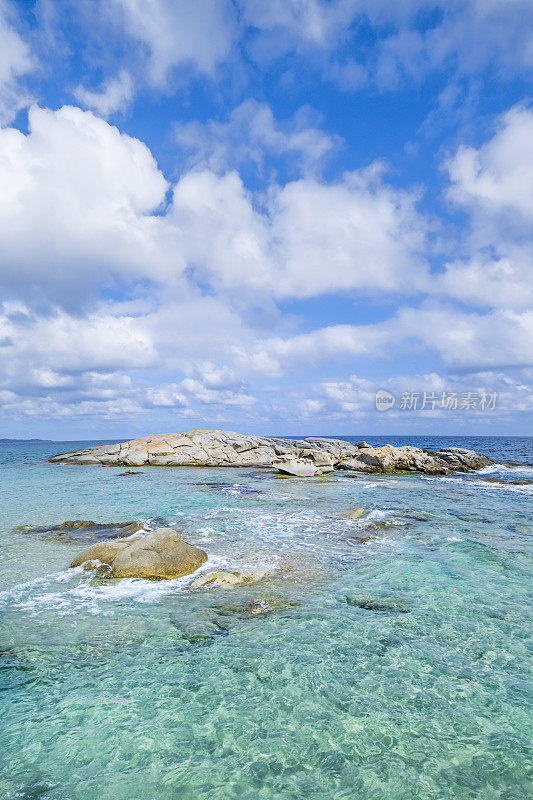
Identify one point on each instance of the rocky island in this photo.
(299, 457)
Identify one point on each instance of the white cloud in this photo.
(485, 281)
(310, 238)
(357, 233)
(79, 210)
(48, 408)
(179, 33)
(464, 341)
(196, 390)
(354, 397)
(333, 343)
(472, 341)
(466, 35)
(114, 95)
(494, 184)
(313, 22)
(63, 344)
(16, 60)
(83, 206)
(75, 203)
(497, 178)
(250, 135)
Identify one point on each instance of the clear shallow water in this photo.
(394, 668)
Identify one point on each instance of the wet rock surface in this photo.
(297, 457)
(161, 554)
(78, 530)
(353, 513)
(504, 481)
(224, 578)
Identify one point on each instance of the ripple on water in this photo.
(389, 670)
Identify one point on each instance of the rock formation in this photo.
(83, 531)
(220, 578)
(160, 554)
(298, 457)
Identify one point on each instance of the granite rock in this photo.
(161, 554)
(303, 457)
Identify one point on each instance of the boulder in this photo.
(463, 459)
(298, 469)
(353, 513)
(159, 555)
(101, 552)
(215, 579)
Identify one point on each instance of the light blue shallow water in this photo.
(390, 669)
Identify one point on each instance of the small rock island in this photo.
(298, 457)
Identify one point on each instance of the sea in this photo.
(381, 658)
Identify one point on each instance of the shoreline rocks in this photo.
(160, 555)
(297, 457)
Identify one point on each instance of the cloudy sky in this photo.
(253, 214)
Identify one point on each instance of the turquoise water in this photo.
(387, 669)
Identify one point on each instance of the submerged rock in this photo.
(378, 602)
(353, 513)
(297, 457)
(226, 488)
(129, 472)
(81, 530)
(515, 482)
(214, 579)
(254, 607)
(159, 555)
(524, 529)
(361, 539)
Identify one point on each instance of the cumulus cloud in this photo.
(309, 238)
(493, 183)
(485, 281)
(469, 341)
(332, 343)
(355, 233)
(250, 135)
(85, 210)
(34, 347)
(176, 33)
(83, 207)
(75, 203)
(16, 60)
(114, 95)
(497, 177)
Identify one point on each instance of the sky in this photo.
(254, 215)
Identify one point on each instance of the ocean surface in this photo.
(383, 658)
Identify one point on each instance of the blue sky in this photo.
(254, 215)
